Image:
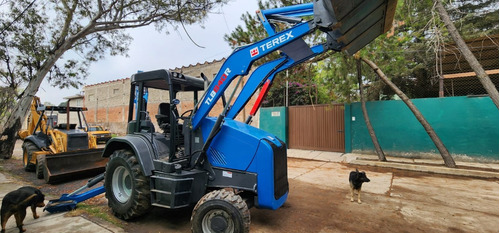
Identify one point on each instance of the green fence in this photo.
(275, 120)
(466, 125)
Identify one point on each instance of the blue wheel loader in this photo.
(219, 165)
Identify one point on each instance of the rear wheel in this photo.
(221, 211)
(127, 189)
(28, 149)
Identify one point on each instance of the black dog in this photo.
(16, 202)
(356, 179)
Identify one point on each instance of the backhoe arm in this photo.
(33, 119)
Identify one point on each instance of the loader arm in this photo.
(239, 63)
(265, 73)
(348, 25)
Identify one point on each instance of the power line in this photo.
(18, 17)
(225, 21)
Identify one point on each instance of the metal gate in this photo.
(318, 127)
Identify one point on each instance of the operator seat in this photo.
(163, 116)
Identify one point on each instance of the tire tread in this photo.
(229, 197)
(141, 195)
(30, 148)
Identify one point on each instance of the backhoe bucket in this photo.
(73, 165)
(354, 23)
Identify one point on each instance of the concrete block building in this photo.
(107, 102)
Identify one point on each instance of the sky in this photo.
(151, 50)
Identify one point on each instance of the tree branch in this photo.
(468, 55)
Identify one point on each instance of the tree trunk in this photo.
(8, 139)
(469, 56)
(448, 160)
(378, 149)
(18, 113)
(12, 126)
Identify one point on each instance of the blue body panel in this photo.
(305, 9)
(235, 145)
(263, 165)
(289, 11)
(239, 146)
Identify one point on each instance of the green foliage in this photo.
(403, 54)
(407, 53)
(33, 40)
(474, 18)
(298, 94)
(338, 78)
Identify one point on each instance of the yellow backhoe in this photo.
(59, 152)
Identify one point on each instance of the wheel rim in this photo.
(217, 221)
(122, 184)
(25, 158)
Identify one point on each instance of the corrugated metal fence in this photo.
(318, 127)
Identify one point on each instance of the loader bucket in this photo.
(73, 165)
(354, 23)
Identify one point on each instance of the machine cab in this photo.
(162, 118)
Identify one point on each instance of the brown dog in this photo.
(356, 179)
(16, 202)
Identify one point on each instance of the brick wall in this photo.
(107, 102)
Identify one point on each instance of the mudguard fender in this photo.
(39, 142)
(139, 145)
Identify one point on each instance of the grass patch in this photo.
(98, 211)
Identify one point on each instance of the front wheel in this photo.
(28, 149)
(221, 211)
(40, 160)
(127, 189)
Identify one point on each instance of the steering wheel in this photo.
(184, 113)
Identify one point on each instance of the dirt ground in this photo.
(394, 201)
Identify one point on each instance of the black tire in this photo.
(39, 167)
(220, 211)
(28, 149)
(127, 189)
